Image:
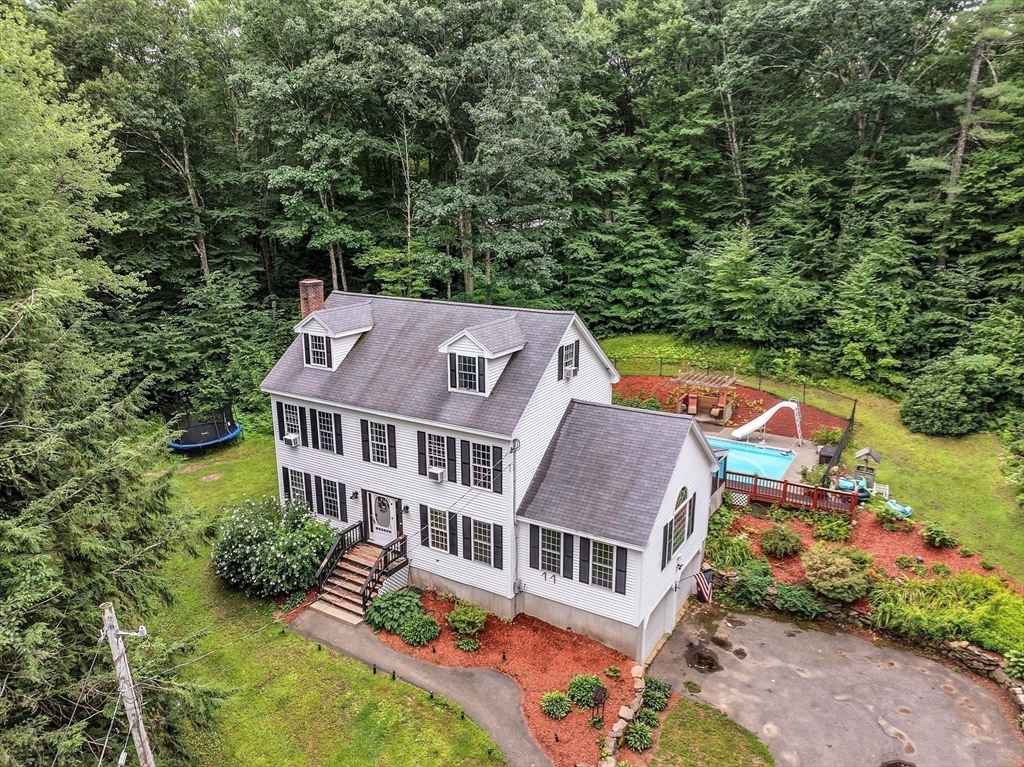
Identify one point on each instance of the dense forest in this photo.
(838, 185)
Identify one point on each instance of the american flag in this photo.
(703, 584)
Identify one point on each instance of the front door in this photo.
(383, 519)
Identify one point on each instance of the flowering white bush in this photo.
(267, 549)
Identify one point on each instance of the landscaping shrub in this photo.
(935, 535)
(391, 611)
(799, 601)
(778, 541)
(891, 520)
(419, 630)
(827, 435)
(753, 583)
(903, 561)
(722, 521)
(967, 606)
(555, 704)
(648, 717)
(813, 475)
(1015, 664)
(612, 671)
(986, 565)
(833, 529)
(656, 692)
(729, 552)
(581, 689)
(965, 552)
(468, 644)
(266, 548)
(920, 571)
(638, 736)
(940, 568)
(840, 574)
(466, 619)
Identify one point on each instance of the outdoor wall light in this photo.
(405, 509)
(354, 496)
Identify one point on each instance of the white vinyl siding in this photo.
(325, 427)
(437, 452)
(550, 550)
(318, 351)
(378, 442)
(482, 470)
(481, 542)
(291, 419)
(438, 529)
(602, 564)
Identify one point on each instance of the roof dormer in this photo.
(477, 355)
(328, 335)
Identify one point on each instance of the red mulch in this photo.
(869, 535)
(539, 658)
(750, 403)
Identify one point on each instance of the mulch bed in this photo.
(750, 403)
(869, 535)
(539, 658)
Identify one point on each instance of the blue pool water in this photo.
(751, 459)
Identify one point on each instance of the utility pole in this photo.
(129, 692)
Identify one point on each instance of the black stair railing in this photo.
(347, 539)
(391, 559)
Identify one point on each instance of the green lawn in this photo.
(292, 704)
(954, 480)
(697, 735)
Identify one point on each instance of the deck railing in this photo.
(389, 561)
(760, 489)
(347, 539)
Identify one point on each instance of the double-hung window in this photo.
(437, 453)
(378, 443)
(291, 419)
(481, 542)
(550, 550)
(438, 529)
(679, 521)
(325, 430)
(602, 564)
(297, 484)
(332, 499)
(467, 372)
(569, 356)
(482, 469)
(318, 351)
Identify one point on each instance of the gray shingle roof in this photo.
(606, 471)
(342, 319)
(499, 335)
(396, 368)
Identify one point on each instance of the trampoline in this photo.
(202, 432)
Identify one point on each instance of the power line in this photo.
(206, 654)
(110, 729)
(81, 694)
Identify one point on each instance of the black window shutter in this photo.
(309, 489)
(584, 560)
(366, 515)
(421, 451)
(343, 502)
(576, 357)
(280, 420)
(330, 355)
(319, 484)
(465, 462)
(535, 547)
(567, 556)
(399, 514)
(314, 425)
(364, 430)
(303, 431)
(453, 374)
(453, 533)
(305, 344)
(337, 435)
(496, 483)
(666, 534)
(452, 460)
(620, 570)
(481, 374)
(287, 481)
(561, 361)
(424, 525)
(693, 516)
(392, 453)
(467, 537)
(498, 543)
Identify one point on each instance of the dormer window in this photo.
(467, 373)
(318, 351)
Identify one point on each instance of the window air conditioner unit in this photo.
(292, 440)
(436, 473)
(568, 372)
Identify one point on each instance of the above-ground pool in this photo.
(753, 459)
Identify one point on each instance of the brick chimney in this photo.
(311, 296)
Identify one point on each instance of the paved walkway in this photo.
(835, 700)
(489, 698)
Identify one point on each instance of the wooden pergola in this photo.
(706, 395)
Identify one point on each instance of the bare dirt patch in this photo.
(211, 477)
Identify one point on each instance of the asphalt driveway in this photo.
(835, 700)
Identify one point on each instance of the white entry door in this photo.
(383, 516)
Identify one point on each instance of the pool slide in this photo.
(747, 429)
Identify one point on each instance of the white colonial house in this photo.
(474, 450)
